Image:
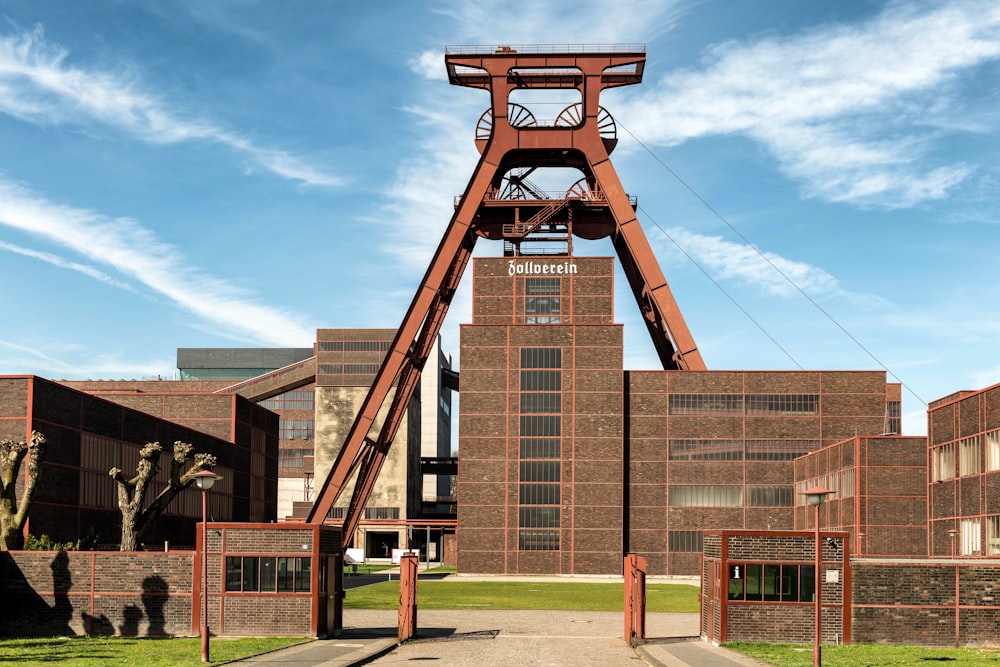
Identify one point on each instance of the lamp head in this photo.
(205, 479)
(816, 495)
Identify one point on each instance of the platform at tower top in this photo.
(500, 49)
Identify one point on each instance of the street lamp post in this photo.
(816, 496)
(204, 479)
(953, 534)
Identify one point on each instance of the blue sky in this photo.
(819, 180)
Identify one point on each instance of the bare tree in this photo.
(12, 515)
(132, 492)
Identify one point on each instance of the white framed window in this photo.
(971, 529)
(993, 450)
(993, 535)
(970, 455)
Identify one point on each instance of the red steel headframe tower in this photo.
(501, 203)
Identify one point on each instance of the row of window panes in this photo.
(539, 517)
(234, 374)
(540, 426)
(738, 404)
(348, 369)
(290, 400)
(972, 456)
(539, 402)
(688, 541)
(730, 496)
(542, 286)
(538, 539)
(354, 345)
(541, 380)
(267, 574)
(767, 582)
(840, 482)
(539, 493)
(782, 404)
(707, 449)
(971, 536)
(290, 429)
(540, 448)
(371, 513)
(540, 471)
(541, 357)
(293, 458)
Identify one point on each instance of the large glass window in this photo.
(992, 450)
(943, 462)
(539, 490)
(969, 456)
(542, 300)
(290, 400)
(705, 496)
(771, 582)
(267, 574)
(684, 541)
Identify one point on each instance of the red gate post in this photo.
(635, 598)
(407, 597)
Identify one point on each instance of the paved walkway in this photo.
(479, 637)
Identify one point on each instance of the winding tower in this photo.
(502, 203)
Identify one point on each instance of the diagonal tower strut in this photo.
(510, 140)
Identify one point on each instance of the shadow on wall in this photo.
(27, 612)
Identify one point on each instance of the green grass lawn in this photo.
(92, 651)
(522, 595)
(784, 655)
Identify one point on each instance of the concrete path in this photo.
(477, 637)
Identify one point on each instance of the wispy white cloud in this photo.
(778, 276)
(74, 362)
(137, 252)
(37, 85)
(849, 110)
(56, 260)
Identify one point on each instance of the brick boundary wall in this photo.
(96, 593)
(907, 602)
(156, 594)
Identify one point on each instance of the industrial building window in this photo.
(354, 345)
(542, 300)
(705, 450)
(348, 369)
(539, 490)
(705, 404)
(541, 357)
(290, 429)
(970, 454)
(541, 402)
(684, 541)
(539, 448)
(771, 496)
(293, 458)
(268, 574)
(705, 496)
(383, 513)
(771, 582)
(290, 400)
(782, 404)
(992, 450)
(943, 462)
(779, 450)
(971, 535)
(893, 417)
(993, 536)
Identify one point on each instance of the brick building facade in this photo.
(963, 432)
(88, 435)
(567, 460)
(879, 494)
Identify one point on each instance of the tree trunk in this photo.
(129, 540)
(11, 537)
